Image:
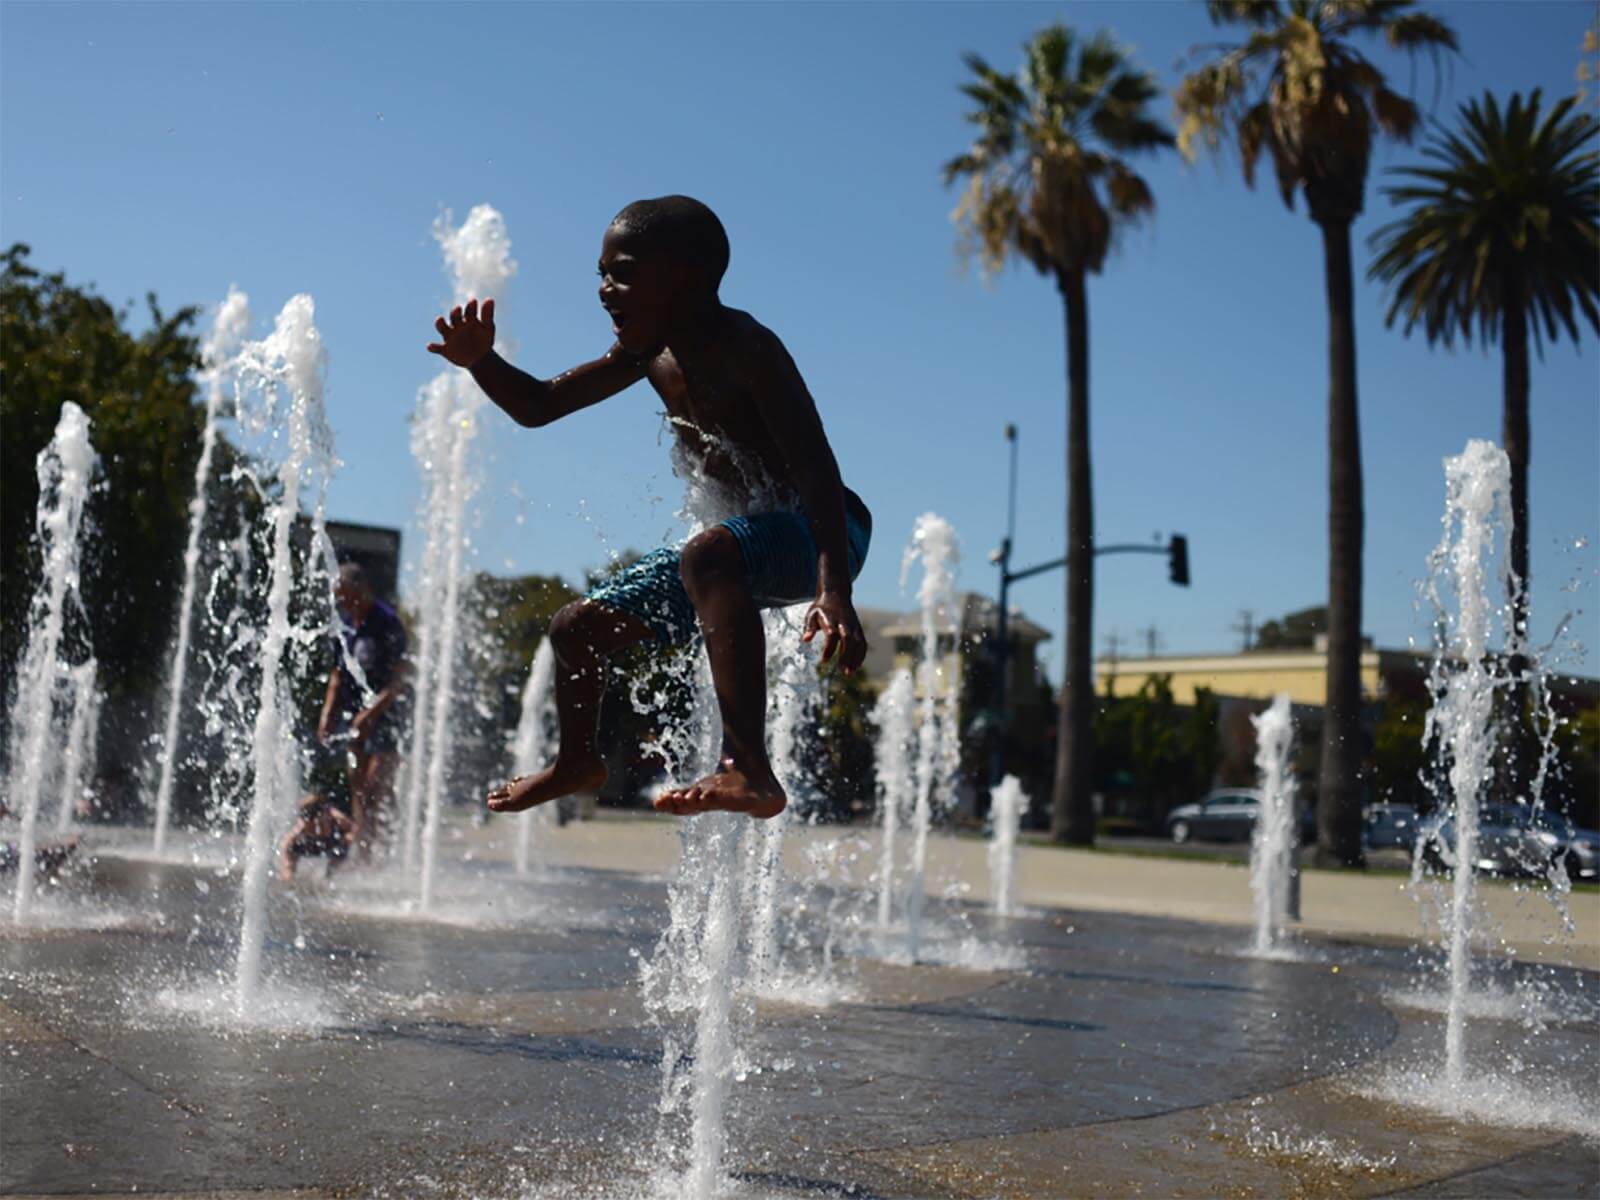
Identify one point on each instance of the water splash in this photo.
(1272, 844)
(793, 691)
(892, 714)
(530, 747)
(286, 372)
(66, 468)
(1007, 804)
(228, 330)
(478, 255)
(934, 546)
(1463, 682)
(83, 736)
(690, 977)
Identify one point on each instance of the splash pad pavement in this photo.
(500, 1047)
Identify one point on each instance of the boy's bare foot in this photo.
(727, 790)
(561, 778)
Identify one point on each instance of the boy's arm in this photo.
(286, 855)
(467, 339)
(363, 722)
(329, 699)
(791, 416)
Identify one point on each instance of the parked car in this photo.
(1583, 855)
(1513, 839)
(1389, 827)
(1228, 815)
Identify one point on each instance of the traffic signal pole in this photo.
(1176, 550)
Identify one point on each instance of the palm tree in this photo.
(1502, 227)
(1045, 183)
(1298, 89)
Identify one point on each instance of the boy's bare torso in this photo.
(715, 402)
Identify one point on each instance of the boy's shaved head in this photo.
(679, 226)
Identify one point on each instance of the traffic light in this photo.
(1178, 560)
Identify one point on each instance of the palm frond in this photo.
(1246, 12)
(1505, 211)
(1419, 31)
(1297, 89)
(1044, 180)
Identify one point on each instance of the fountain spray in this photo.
(430, 433)
(1463, 683)
(291, 361)
(1272, 845)
(691, 974)
(693, 971)
(1007, 804)
(66, 468)
(793, 691)
(228, 330)
(892, 715)
(530, 744)
(83, 735)
(933, 544)
(478, 255)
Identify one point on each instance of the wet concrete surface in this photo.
(499, 1048)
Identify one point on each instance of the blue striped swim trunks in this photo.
(780, 568)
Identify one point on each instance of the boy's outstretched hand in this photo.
(834, 616)
(467, 336)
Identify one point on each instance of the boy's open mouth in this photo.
(619, 320)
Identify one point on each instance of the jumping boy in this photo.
(743, 417)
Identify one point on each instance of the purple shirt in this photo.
(378, 646)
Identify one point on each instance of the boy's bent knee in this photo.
(572, 628)
(709, 555)
(585, 625)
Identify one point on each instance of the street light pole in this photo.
(1002, 650)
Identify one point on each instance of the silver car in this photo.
(1513, 839)
(1389, 827)
(1583, 855)
(1229, 815)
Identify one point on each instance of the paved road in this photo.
(1386, 860)
(498, 1047)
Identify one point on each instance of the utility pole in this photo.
(1246, 628)
(1152, 640)
(1114, 646)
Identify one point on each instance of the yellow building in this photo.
(1263, 674)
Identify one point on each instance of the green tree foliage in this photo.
(513, 614)
(1577, 783)
(1047, 181)
(504, 619)
(1401, 762)
(1294, 631)
(1298, 90)
(1157, 753)
(61, 342)
(837, 750)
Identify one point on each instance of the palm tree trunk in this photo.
(1343, 745)
(1072, 810)
(1515, 436)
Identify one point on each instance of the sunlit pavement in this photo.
(499, 1048)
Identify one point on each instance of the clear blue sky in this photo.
(308, 147)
